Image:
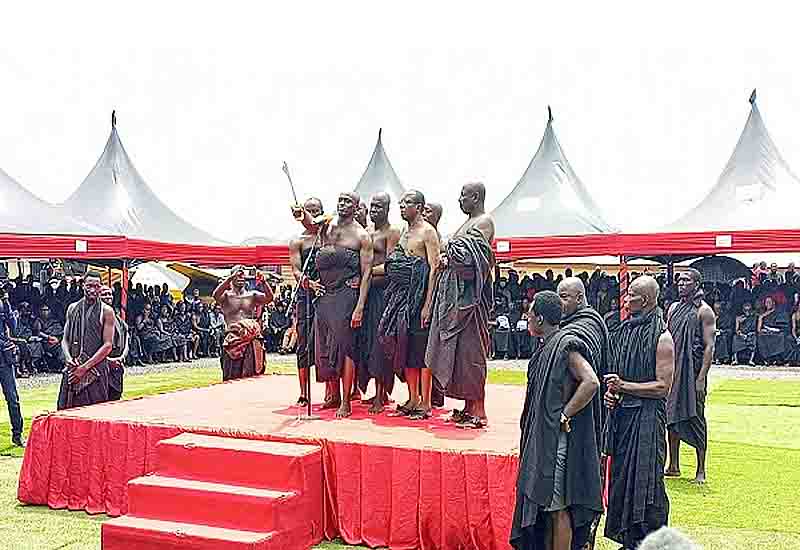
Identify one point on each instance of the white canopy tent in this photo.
(379, 176)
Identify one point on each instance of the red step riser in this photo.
(228, 510)
(126, 538)
(278, 472)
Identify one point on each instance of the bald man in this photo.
(692, 323)
(458, 343)
(344, 264)
(433, 215)
(642, 361)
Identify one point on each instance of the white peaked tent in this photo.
(379, 176)
(23, 213)
(115, 198)
(757, 189)
(549, 199)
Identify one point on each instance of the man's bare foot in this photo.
(370, 400)
(344, 410)
(376, 406)
(331, 403)
(672, 472)
(699, 479)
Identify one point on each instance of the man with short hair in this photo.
(411, 270)
(50, 332)
(88, 341)
(7, 367)
(242, 348)
(558, 481)
(458, 342)
(433, 215)
(642, 365)
(692, 324)
(119, 349)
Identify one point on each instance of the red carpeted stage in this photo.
(385, 480)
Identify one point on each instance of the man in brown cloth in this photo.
(433, 215)
(458, 343)
(88, 340)
(411, 270)
(344, 263)
(692, 324)
(373, 363)
(242, 348)
(642, 363)
(119, 349)
(302, 253)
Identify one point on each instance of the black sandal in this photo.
(419, 414)
(302, 402)
(472, 423)
(457, 416)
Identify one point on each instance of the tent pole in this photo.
(124, 294)
(670, 271)
(623, 287)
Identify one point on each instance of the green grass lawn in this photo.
(751, 500)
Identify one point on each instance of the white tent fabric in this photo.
(156, 274)
(263, 241)
(757, 189)
(23, 213)
(379, 176)
(549, 199)
(116, 198)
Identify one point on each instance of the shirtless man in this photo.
(300, 248)
(459, 341)
(373, 360)
(243, 351)
(361, 214)
(433, 214)
(412, 271)
(344, 264)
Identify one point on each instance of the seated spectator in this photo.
(725, 329)
(185, 339)
(47, 350)
(793, 344)
(771, 339)
(500, 337)
(155, 343)
(744, 338)
(522, 338)
(612, 318)
(217, 327)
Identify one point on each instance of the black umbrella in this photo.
(720, 269)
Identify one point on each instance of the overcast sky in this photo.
(648, 104)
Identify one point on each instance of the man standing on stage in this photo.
(458, 343)
(7, 370)
(119, 349)
(411, 270)
(692, 324)
(344, 264)
(642, 361)
(373, 362)
(302, 254)
(433, 215)
(242, 349)
(88, 340)
(558, 482)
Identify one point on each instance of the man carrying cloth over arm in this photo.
(558, 483)
(88, 340)
(642, 356)
(242, 349)
(403, 329)
(458, 343)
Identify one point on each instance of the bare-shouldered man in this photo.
(243, 351)
(459, 340)
(373, 361)
(302, 251)
(411, 270)
(344, 264)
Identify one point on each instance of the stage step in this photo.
(227, 493)
(266, 464)
(132, 533)
(215, 504)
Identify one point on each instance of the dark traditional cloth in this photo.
(402, 336)
(772, 343)
(306, 310)
(637, 501)
(540, 424)
(84, 335)
(51, 354)
(685, 407)
(458, 343)
(242, 350)
(373, 362)
(153, 340)
(183, 329)
(745, 339)
(119, 351)
(334, 339)
(726, 326)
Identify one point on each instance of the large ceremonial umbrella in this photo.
(720, 269)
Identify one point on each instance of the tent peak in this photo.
(113, 119)
(549, 114)
(753, 97)
(380, 132)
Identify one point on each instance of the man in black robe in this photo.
(458, 342)
(692, 324)
(8, 381)
(88, 340)
(119, 349)
(744, 339)
(642, 361)
(558, 484)
(433, 214)
(50, 333)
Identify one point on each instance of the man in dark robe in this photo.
(433, 214)
(458, 342)
(119, 349)
(242, 348)
(8, 380)
(692, 324)
(744, 339)
(88, 340)
(642, 364)
(771, 333)
(724, 335)
(344, 263)
(373, 363)
(302, 256)
(403, 329)
(50, 333)
(558, 483)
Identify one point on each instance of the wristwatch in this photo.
(565, 426)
